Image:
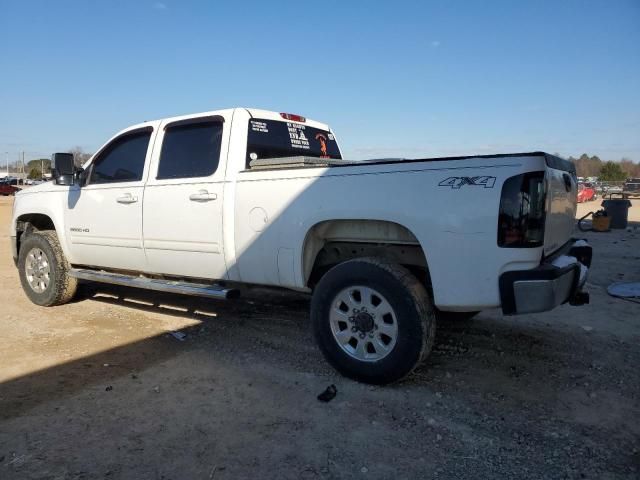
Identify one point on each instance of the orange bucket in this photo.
(601, 223)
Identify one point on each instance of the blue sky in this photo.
(395, 78)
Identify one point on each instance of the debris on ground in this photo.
(329, 394)
(625, 290)
(109, 388)
(178, 335)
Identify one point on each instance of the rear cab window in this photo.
(277, 139)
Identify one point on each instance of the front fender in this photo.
(50, 204)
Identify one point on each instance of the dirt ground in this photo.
(98, 389)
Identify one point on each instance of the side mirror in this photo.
(80, 176)
(64, 168)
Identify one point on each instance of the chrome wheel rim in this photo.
(38, 270)
(363, 323)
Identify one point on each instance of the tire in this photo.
(45, 278)
(455, 316)
(397, 302)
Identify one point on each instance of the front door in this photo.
(182, 210)
(104, 216)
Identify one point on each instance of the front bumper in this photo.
(556, 281)
(14, 250)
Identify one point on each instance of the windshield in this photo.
(275, 139)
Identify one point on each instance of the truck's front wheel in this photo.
(373, 320)
(44, 270)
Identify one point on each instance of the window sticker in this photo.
(323, 145)
(297, 136)
(259, 126)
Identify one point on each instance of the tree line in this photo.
(587, 166)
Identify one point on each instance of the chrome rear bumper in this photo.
(553, 283)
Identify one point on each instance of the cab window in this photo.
(190, 150)
(122, 160)
(275, 139)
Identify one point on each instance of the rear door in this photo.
(561, 208)
(182, 211)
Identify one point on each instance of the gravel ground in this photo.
(99, 389)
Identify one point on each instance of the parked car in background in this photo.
(7, 189)
(614, 189)
(599, 187)
(13, 181)
(586, 193)
(594, 187)
(631, 188)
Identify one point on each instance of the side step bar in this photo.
(184, 288)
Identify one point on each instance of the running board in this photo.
(170, 286)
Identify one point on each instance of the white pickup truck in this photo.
(200, 204)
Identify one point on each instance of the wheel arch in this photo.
(330, 242)
(32, 222)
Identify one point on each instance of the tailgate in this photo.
(561, 208)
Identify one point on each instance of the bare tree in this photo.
(587, 166)
(631, 168)
(79, 155)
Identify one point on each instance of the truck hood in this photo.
(43, 187)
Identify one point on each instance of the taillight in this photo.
(522, 211)
(293, 117)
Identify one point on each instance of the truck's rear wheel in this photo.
(44, 270)
(373, 320)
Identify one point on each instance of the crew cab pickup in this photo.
(202, 204)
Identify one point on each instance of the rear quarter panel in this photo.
(455, 225)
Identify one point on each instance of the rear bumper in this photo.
(553, 283)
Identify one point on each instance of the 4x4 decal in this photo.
(457, 182)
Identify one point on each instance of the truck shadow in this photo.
(275, 334)
(98, 370)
